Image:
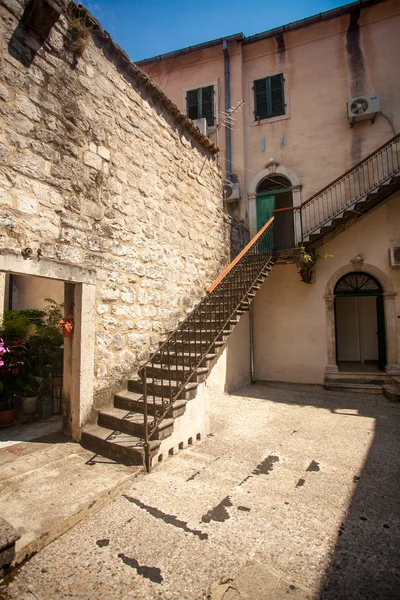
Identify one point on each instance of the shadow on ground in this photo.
(365, 563)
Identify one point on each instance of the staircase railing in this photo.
(344, 192)
(171, 369)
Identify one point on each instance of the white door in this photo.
(348, 329)
(368, 328)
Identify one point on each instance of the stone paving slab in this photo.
(228, 519)
(48, 485)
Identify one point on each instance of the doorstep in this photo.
(49, 484)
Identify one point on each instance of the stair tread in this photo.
(116, 437)
(188, 386)
(350, 385)
(136, 397)
(133, 417)
(178, 367)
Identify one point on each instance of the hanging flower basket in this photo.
(67, 326)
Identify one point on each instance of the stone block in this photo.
(104, 153)
(92, 160)
(4, 94)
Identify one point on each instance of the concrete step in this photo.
(132, 423)
(175, 372)
(163, 390)
(116, 445)
(377, 378)
(362, 388)
(134, 402)
(391, 392)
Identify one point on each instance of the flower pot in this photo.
(15, 371)
(57, 381)
(7, 417)
(307, 275)
(45, 406)
(29, 405)
(66, 333)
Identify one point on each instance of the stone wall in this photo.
(96, 172)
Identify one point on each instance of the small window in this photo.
(269, 97)
(200, 104)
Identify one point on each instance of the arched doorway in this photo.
(360, 322)
(275, 192)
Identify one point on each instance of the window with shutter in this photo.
(200, 104)
(269, 97)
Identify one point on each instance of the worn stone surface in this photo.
(99, 174)
(47, 484)
(336, 537)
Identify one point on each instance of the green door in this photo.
(265, 206)
(381, 333)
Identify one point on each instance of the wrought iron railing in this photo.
(168, 373)
(343, 193)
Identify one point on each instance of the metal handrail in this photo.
(200, 331)
(351, 187)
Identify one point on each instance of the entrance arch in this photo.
(390, 327)
(276, 172)
(275, 192)
(360, 322)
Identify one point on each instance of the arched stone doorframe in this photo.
(255, 182)
(389, 295)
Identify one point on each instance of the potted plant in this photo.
(306, 264)
(67, 326)
(30, 387)
(7, 410)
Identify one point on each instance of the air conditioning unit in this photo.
(394, 257)
(363, 107)
(202, 125)
(231, 192)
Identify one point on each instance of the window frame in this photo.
(213, 85)
(251, 84)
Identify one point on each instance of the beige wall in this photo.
(290, 316)
(320, 78)
(30, 292)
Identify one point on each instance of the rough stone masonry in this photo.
(100, 170)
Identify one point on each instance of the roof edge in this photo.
(241, 38)
(236, 37)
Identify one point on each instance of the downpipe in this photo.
(227, 107)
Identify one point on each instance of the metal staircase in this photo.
(143, 415)
(347, 198)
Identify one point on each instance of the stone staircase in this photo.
(144, 414)
(364, 383)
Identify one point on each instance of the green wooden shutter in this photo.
(277, 105)
(207, 104)
(260, 99)
(192, 104)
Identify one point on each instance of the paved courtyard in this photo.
(295, 494)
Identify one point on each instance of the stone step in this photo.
(132, 423)
(185, 345)
(396, 382)
(362, 388)
(174, 372)
(186, 358)
(377, 378)
(133, 401)
(391, 392)
(116, 445)
(204, 334)
(163, 389)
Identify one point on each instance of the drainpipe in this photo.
(252, 372)
(227, 107)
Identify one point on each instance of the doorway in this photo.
(275, 192)
(360, 323)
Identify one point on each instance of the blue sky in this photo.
(145, 28)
